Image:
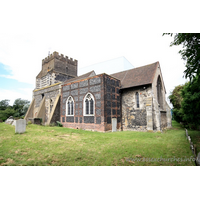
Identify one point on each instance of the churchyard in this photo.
(58, 146)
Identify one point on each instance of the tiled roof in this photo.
(87, 75)
(137, 76)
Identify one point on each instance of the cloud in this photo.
(12, 95)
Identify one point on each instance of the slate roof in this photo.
(87, 75)
(137, 76)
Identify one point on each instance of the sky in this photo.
(91, 32)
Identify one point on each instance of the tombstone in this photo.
(9, 120)
(186, 132)
(20, 126)
(14, 123)
(114, 124)
(189, 139)
(198, 159)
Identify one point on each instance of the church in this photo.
(133, 99)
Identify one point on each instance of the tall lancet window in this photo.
(88, 108)
(70, 106)
(137, 100)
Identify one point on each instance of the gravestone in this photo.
(186, 132)
(189, 139)
(20, 126)
(198, 159)
(114, 124)
(14, 123)
(9, 120)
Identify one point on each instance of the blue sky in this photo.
(11, 88)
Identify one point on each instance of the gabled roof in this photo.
(87, 75)
(137, 76)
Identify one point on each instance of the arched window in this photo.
(159, 92)
(70, 106)
(137, 100)
(88, 105)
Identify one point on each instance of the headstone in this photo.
(14, 123)
(114, 124)
(9, 120)
(20, 126)
(189, 139)
(186, 132)
(198, 159)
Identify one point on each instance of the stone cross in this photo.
(20, 126)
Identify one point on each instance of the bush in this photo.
(59, 124)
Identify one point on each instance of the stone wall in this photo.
(78, 90)
(105, 90)
(50, 93)
(163, 119)
(134, 118)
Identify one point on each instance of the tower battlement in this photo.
(59, 57)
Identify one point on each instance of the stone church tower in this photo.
(46, 97)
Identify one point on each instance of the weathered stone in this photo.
(96, 88)
(98, 104)
(20, 126)
(74, 92)
(98, 111)
(14, 123)
(74, 86)
(88, 119)
(83, 91)
(98, 96)
(198, 159)
(65, 88)
(66, 94)
(95, 81)
(83, 83)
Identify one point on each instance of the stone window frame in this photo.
(137, 98)
(71, 99)
(159, 92)
(88, 96)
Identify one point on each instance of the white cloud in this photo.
(12, 95)
(90, 32)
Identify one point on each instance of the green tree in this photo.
(4, 104)
(190, 52)
(176, 99)
(19, 105)
(4, 114)
(191, 102)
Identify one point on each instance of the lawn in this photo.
(57, 146)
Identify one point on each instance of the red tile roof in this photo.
(137, 76)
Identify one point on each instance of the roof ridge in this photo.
(136, 68)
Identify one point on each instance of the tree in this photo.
(4, 104)
(18, 106)
(4, 114)
(176, 99)
(191, 102)
(190, 52)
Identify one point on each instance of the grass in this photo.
(57, 146)
(195, 138)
